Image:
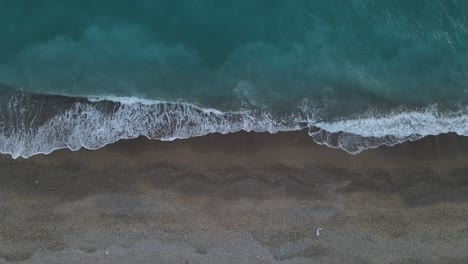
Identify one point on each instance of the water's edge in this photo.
(32, 123)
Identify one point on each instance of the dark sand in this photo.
(240, 198)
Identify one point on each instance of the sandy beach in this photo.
(238, 198)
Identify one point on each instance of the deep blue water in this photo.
(357, 74)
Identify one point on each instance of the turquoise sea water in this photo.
(357, 74)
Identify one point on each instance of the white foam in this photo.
(88, 125)
(123, 100)
(370, 131)
(130, 100)
(84, 125)
(401, 124)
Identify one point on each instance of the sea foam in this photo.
(97, 122)
(370, 131)
(31, 124)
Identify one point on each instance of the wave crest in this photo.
(32, 124)
(97, 122)
(371, 131)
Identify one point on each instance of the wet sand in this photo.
(239, 198)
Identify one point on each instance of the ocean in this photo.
(357, 74)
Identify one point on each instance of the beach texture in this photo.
(238, 198)
(246, 131)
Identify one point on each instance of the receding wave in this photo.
(33, 124)
(370, 131)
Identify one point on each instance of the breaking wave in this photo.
(33, 124)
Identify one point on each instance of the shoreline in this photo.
(294, 147)
(237, 198)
